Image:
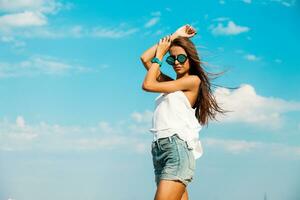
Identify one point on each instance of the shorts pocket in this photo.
(192, 161)
(167, 146)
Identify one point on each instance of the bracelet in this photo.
(156, 60)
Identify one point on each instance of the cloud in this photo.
(251, 57)
(146, 116)
(22, 14)
(286, 3)
(230, 29)
(249, 107)
(75, 31)
(23, 19)
(39, 65)
(106, 127)
(233, 146)
(29, 19)
(152, 22)
(104, 136)
(20, 122)
(12, 40)
(111, 32)
(244, 146)
(141, 121)
(16, 5)
(78, 31)
(221, 19)
(43, 6)
(21, 136)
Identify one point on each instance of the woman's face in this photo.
(179, 68)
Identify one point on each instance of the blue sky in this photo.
(74, 120)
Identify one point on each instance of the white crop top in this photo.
(173, 114)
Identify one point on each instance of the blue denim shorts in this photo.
(172, 160)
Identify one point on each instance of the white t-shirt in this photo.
(173, 114)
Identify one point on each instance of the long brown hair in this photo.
(206, 104)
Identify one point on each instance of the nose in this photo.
(176, 62)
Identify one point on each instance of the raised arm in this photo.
(152, 85)
(146, 60)
(150, 53)
(183, 31)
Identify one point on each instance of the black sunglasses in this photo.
(180, 57)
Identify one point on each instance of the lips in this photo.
(177, 67)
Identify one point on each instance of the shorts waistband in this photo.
(170, 138)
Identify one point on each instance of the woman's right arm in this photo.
(183, 31)
(147, 56)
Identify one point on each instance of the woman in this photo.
(184, 105)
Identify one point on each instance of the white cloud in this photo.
(75, 31)
(152, 22)
(244, 146)
(286, 3)
(111, 32)
(27, 13)
(16, 5)
(251, 57)
(105, 127)
(249, 107)
(19, 136)
(221, 19)
(37, 65)
(142, 121)
(146, 116)
(230, 29)
(43, 6)
(12, 40)
(20, 122)
(23, 19)
(233, 146)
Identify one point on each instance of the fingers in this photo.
(169, 38)
(190, 29)
(165, 39)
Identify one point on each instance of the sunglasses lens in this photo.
(170, 60)
(181, 58)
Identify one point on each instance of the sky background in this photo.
(74, 119)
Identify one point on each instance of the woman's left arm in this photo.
(152, 85)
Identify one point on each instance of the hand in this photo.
(163, 46)
(185, 31)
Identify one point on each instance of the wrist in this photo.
(157, 60)
(174, 36)
(159, 56)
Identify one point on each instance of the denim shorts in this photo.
(172, 160)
